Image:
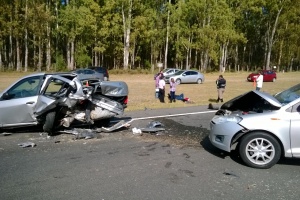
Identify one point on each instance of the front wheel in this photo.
(259, 150)
(178, 81)
(48, 126)
(199, 81)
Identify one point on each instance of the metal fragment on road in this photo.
(118, 125)
(27, 144)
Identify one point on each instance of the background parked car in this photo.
(169, 71)
(101, 70)
(269, 76)
(261, 127)
(186, 76)
(88, 74)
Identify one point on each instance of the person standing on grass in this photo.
(172, 90)
(161, 87)
(259, 81)
(157, 78)
(221, 84)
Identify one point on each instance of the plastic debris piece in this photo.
(136, 131)
(155, 124)
(27, 144)
(6, 134)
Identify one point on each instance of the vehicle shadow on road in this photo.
(219, 153)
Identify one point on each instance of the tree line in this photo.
(207, 35)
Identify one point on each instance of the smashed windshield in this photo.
(288, 95)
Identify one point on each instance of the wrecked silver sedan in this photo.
(261, 127)
(61, 100)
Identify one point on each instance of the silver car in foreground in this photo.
(186, 76)
(60, 100)
(261, 127)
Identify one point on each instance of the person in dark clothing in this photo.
(221, 84)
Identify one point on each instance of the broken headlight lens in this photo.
(223, 119)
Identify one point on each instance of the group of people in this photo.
(160, 84)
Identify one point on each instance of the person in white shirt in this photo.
(259, 81)
(161, 87)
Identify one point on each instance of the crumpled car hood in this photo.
(252, 101)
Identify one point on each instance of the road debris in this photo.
(136, 131)
(6, 134)
(81, 133)
(118, 125)
(27, 144)
(152, 127)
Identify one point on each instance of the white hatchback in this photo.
(261, 127)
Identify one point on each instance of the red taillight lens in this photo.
(126, 100)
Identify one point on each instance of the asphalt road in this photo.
(178, 163)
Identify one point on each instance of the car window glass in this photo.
(193, 73)
(25, 88)
(296, 108)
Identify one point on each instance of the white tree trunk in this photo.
(126, 29)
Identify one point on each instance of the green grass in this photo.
(142, 88)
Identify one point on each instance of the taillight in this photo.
(125, 100)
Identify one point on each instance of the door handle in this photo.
(30, 102)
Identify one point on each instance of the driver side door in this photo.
(17, 102)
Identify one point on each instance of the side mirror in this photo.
(6, 96)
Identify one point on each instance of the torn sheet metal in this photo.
(118, 125)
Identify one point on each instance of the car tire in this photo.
(178, 81)
(48, 126)
(259, 150)
(199, 81)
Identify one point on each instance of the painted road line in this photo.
(173, 115)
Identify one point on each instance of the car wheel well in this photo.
(236, 139)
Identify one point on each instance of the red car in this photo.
(269, 76)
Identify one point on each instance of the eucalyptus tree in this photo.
(149, 31)
(272, 10)
(288, 41)
(4, 30)
(77, 20)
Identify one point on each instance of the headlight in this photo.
(223, 119)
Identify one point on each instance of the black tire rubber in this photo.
(258, 137)
(48, 126)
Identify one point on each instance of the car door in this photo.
(193, 77)
(267, 76)
(185, 77)
(18, 102)
(295, 130)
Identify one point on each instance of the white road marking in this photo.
(173, 115)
